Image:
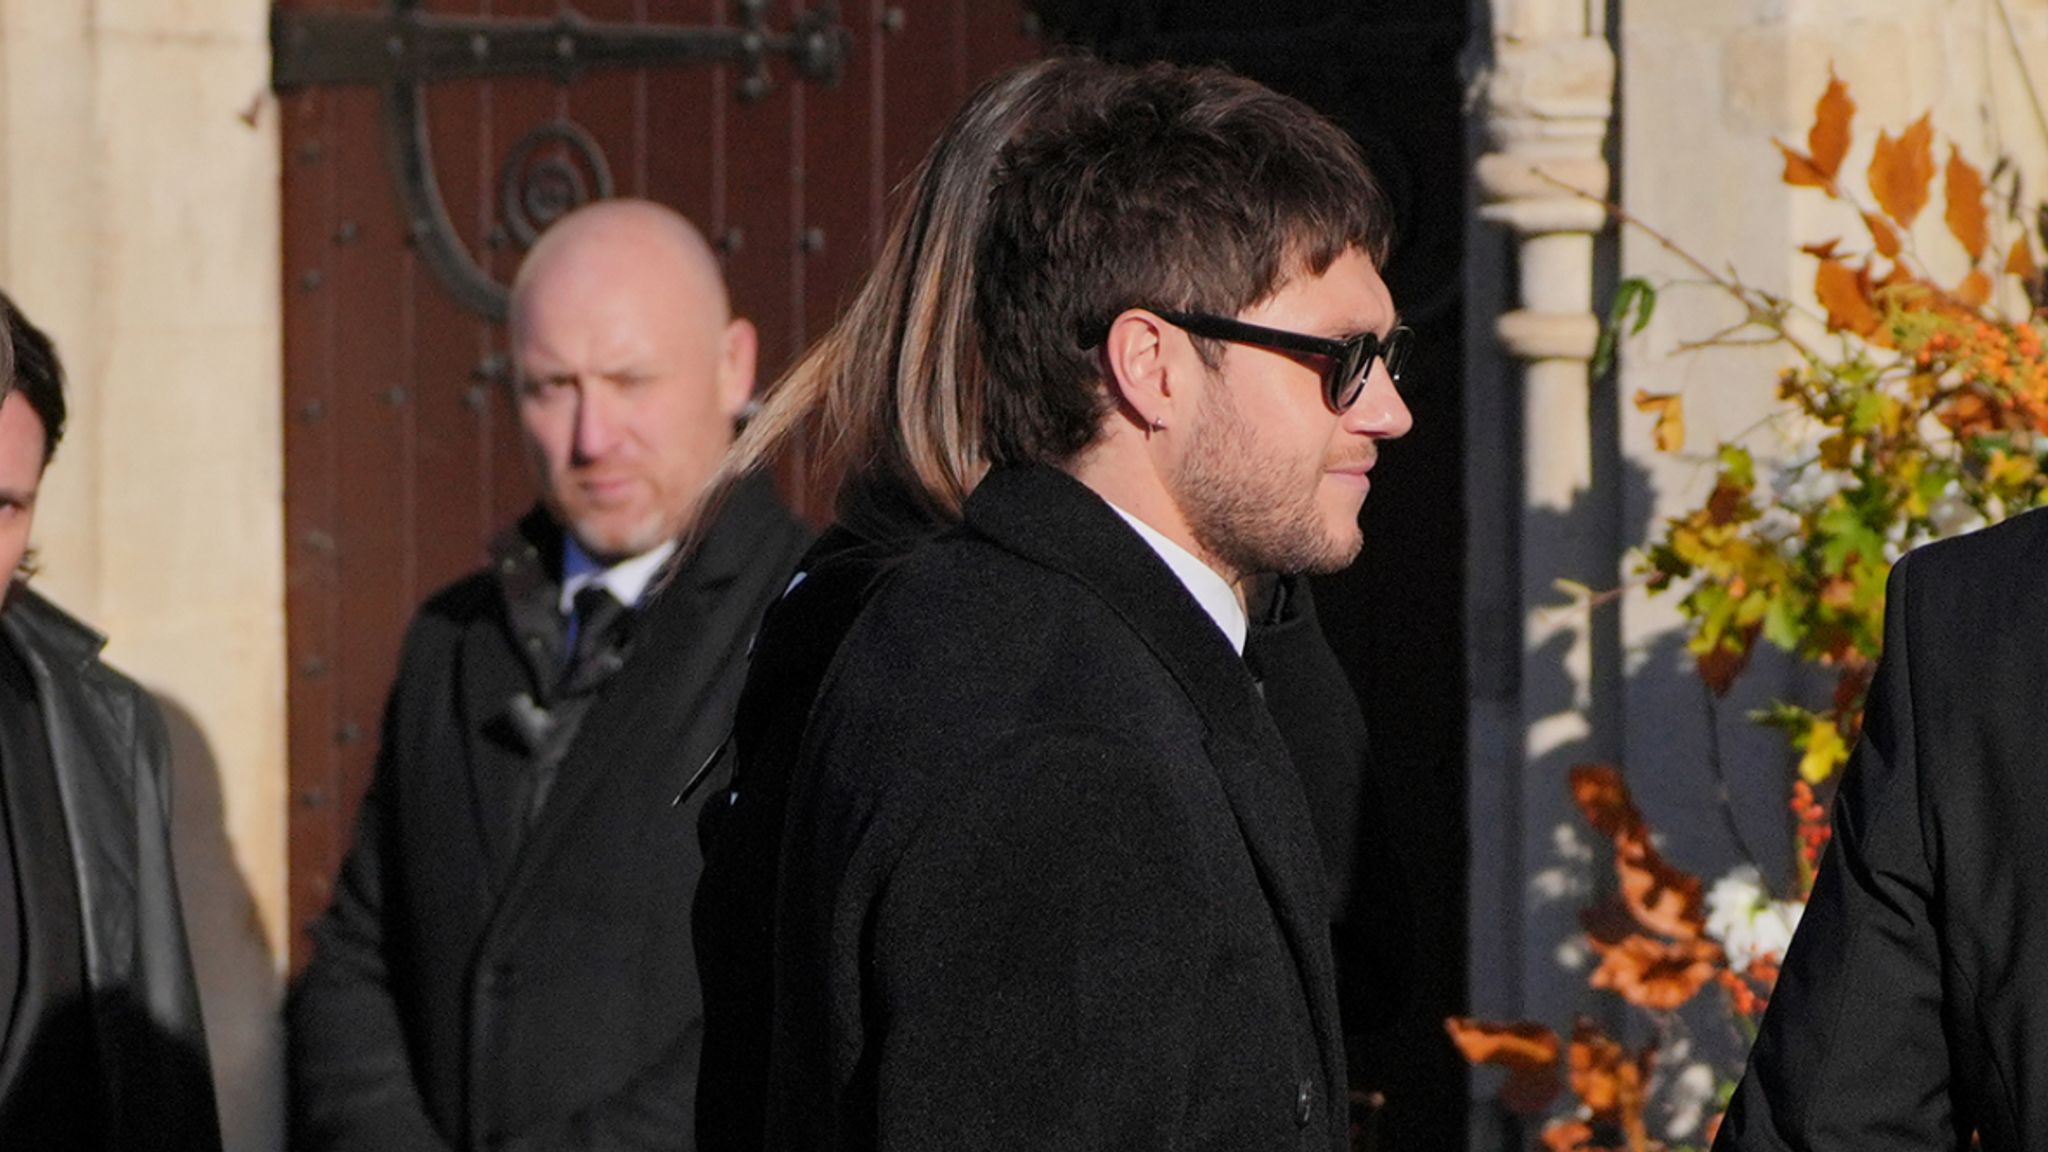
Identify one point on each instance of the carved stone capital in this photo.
(1532, 335)
(1551, 81)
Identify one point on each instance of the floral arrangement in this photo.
(1923, 411)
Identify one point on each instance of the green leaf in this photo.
(1635, 297)
(1844, 534)
(1738, 465)
(1781, 624)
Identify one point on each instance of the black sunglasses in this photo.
(1350, 361)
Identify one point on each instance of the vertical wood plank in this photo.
(760, 214)
(312, 600)
(450, 442)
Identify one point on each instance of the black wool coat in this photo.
(1049, 879)
(1304, 688)
(112, 767)
(1913, 1005)
(473, 990)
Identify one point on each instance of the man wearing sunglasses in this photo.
(1049, 878)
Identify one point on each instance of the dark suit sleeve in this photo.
(351, 1079)
(1853, 1055)
(1033, 952)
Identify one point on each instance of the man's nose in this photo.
(598, 422)
(1379, 411)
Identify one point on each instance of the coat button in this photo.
(1304, 1104)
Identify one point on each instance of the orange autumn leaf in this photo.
(1603, 798)
(1669, 408)
(1846, 296)
(1828, 140)
(2020, 261)
(1662, 897)
(1658, 896)
(1655, 974)
(1823, 250)
(1968, 414)
(1883, 235)
(1975, 290)
(1608, 1081)
(1902, 171)
(1966, 217)
(1802, 172)
(1528, 1051)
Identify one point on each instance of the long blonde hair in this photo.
(896, 385)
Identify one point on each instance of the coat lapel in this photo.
(93, 780)
(1056, 521)
(506, 663)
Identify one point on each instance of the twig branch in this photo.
(1724, 796)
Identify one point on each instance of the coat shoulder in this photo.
(2008, 559)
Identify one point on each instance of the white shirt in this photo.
(1204, 583)
(626, 581)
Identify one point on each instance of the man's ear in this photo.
(742, 345)
(1141, 356)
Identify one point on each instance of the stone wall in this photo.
(139, 225)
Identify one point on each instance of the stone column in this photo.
(1548, 102)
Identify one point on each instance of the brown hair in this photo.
(1178, 188)
(896, 386)
(29, 365)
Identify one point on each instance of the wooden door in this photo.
(401, 454)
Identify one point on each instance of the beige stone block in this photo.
(191, 184)
(42, 20)
(244, 22)
(193, 417)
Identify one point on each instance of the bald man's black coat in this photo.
(470, 991)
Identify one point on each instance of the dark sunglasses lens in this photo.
(1396, 352)
(1347, 378)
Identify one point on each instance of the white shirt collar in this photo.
(1204, 583)
(626, 581)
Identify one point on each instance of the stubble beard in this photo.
(1247, 507)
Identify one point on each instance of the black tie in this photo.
(599, 636)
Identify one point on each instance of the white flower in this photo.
(1746, 922)
(1691, 1094)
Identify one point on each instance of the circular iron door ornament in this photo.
(552, 171)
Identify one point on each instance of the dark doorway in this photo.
(1388, 72)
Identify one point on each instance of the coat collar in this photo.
(35, 623)
(1056, 521)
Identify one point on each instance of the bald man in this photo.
(507, 963)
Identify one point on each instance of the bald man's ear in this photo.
(736, 366)
(1142, 357)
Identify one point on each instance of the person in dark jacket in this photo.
(507, 964)
(888, 399)
(1912, 1009)
(1048, 875)
(101, 1042)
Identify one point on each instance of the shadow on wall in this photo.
(239, 986)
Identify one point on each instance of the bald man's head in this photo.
(630, 371)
